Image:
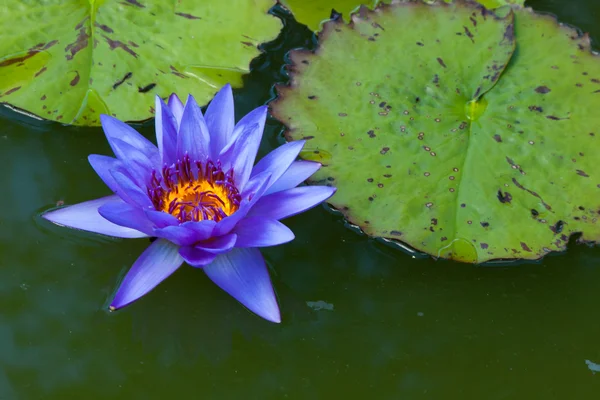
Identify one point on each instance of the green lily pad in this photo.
(431, 141)
(313, 13)
(491, 4)
(70, 61)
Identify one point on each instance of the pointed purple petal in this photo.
(278, 161)
(161, 219)
(243, 274)
(242, 148)
(196, 257)
(220, 120)
(85, 216)
(176, 107)
(291, 202)
(138, 166)
(166, 132)
(179, 235)
(115, 129)
(155, 265)
(204, 229)
(126, 215)
(219, 244)
(102, 165)
(132, 193)
(188, 233)
(261, 232)
(256, 187)
(297, 173)
(193, 137)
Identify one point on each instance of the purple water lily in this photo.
(201, 196)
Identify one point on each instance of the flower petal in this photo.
(138, 166)
(218, 245)
(126, 215)
(220, 120)
(278, 161)
(243, 274)
(166, 132)
(115, 129)
(85, 216)
(179, 235)
(203, 229)
(261, 232)
(161, 219)
(291, 202)
(155, 264)
(188, 233)
(255, 188)
(196, 257)
(131, 192)
(102, 165)
(241, 152)
(193, 137)
(297, 173)
(176, 107)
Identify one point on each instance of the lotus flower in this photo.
(201, 196)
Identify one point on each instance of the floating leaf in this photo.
(314, 12)
(69, 61)
(432, 142)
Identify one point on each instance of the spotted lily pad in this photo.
(432, 140)
(71, 60)
(314, 12)
(491, 4)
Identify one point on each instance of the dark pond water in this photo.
(400, 327)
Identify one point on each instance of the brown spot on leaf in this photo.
(469, 34)
(504, 197)
(525, 247)
(115, 44)
(531, 192)
(582, 173)
(536, 108)
(75, 80)
(41, 71)
(135, 3)
(120, 82)
(10, 91)
(396, 233)
(497, 138)
(146, 88)
(103, 27)
(558, 227)
(175, 72)
(484, 245)
(542, 89)
(188, 16)
(509, 33)
(439, 60)
(80, 43)
(384, 150)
